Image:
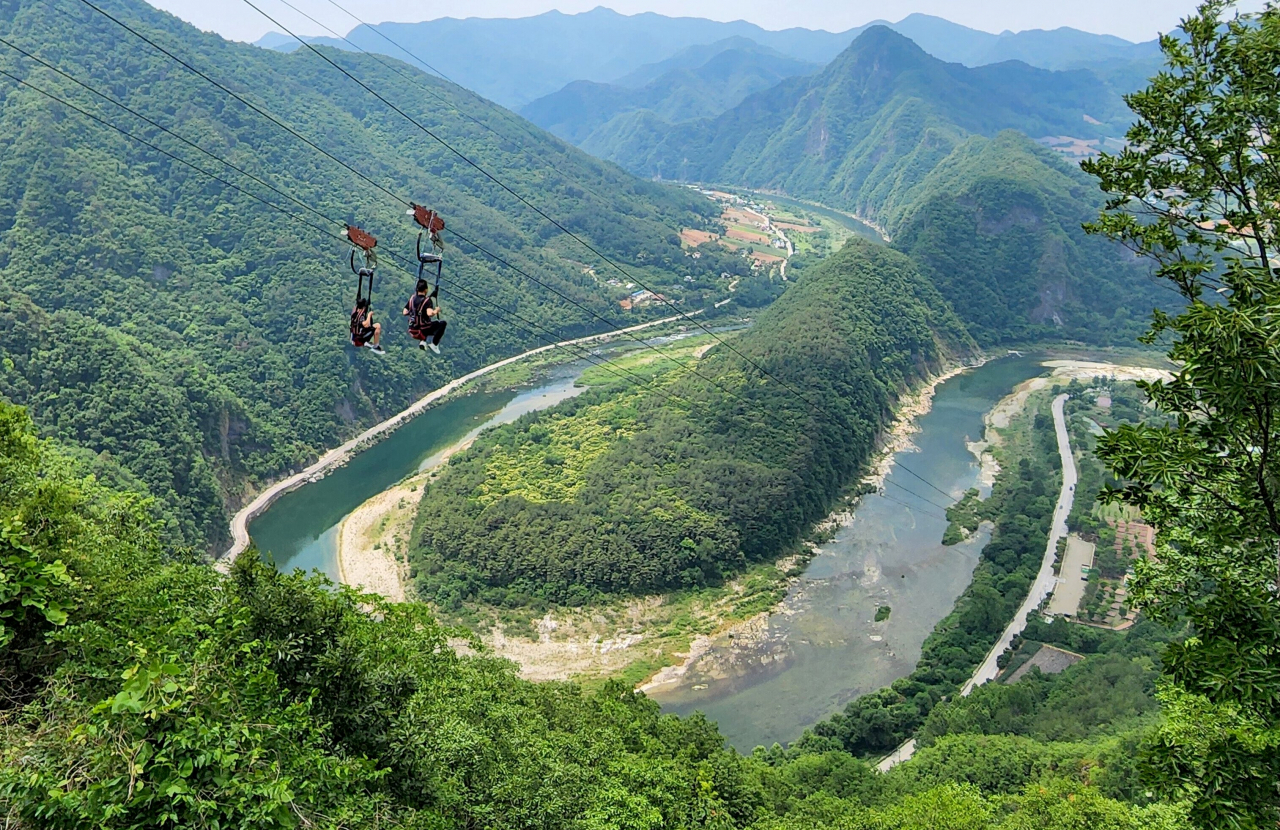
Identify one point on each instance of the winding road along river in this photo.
(822, 647)
(1040, 589)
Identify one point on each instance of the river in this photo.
(300, 530)
(822, 648)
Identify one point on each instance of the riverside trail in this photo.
(339, 455)
(1040, 589)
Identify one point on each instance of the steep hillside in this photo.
(680, 94)
(644, 491)
(193, 340)
(997, 227)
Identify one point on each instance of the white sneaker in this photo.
(376, 350)
(433, 347)
(422, 345)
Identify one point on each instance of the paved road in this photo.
(1045, 580)
(1040, 589)
(339, 455)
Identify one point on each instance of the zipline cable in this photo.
(941, 507)
(417, 79)
(913, 507)
(584, 243)
(474, 120)
(552, 339)
(399, 200)
(402, 201)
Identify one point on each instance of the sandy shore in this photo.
(1009, 407)
(372, 537)
(373, 540)
(340, 455)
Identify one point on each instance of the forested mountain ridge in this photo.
(192, 339)
(681, 94)
(516, 60)
(938, 155)
(997, 226)
(805, 129)
(682, 486)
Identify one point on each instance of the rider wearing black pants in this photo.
(424, 318)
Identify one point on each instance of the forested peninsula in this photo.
(729, 462)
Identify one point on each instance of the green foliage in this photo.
(27, 584)
(996, 226)
(1021, 507)
(1195, 191)
(633, 492)
(193, 340)
(964, 517)
(175, 696)
(928, 151)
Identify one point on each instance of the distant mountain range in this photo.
(515, 61)
(939, 155)
(731, 70)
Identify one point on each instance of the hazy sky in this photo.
(1133, 19)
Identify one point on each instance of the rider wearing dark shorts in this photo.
(363, 329)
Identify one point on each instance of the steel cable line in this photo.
(416, 79)
(375, 56)
(928, 513)
(509, 190)
(595, 360)
(524, 201)
(913, 474)
(917, 495)
(399, 200)
(521, 199)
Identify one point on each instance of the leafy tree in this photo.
(1197, 190)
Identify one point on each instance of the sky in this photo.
(1135, 20)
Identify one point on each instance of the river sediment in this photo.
(338, 456)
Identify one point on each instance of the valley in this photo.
(861, 428)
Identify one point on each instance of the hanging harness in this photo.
(420, 322)
(366, 243)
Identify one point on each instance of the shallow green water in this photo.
(301, 529)
(822, 648)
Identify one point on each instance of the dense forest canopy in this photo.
(156, 340)
(680, 486)
(191, 339)
(143, 692)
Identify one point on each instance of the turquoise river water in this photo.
(821, 648)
